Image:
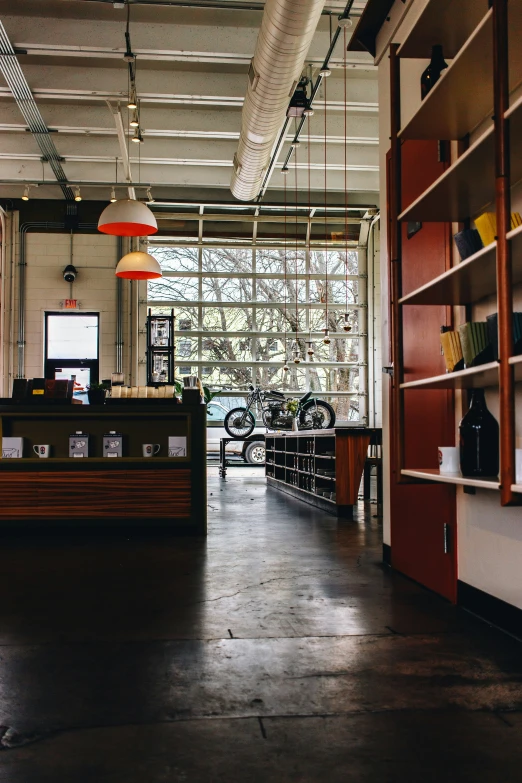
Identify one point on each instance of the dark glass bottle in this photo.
(479, 440)
(432, 73)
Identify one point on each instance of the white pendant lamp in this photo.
(138, 266)
(127, 218)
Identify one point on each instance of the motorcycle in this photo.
(311, 413)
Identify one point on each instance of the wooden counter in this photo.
(131, 490)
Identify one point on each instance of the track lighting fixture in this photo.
(285, 368)
(325, 72)
(25, 197)
(135, 123)
(284, 170)
(344, 21)
(77, 194)
(296, 143)
(297, 357)
(150, 197)
(137, 138)
(347, 327)
(132, 103)
(309, 112)
(113, 196)
(310, 350)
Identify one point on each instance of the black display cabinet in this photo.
(160, 348)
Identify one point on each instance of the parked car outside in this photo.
(252, 450)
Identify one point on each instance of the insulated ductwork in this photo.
(285, 36)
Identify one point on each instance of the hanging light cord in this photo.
(285, 280)
(325, 206)
(345, 177)
(296, 256)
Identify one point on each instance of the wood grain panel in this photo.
(350, 455)
(60, 495)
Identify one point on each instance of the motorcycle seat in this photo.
(305, 397)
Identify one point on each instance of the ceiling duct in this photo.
(285, 36)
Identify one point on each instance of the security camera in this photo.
(69, 273)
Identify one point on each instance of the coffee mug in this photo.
(42, 450)
(150, 449)
(449, 459)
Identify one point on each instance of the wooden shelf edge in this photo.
(457, 380)
(456, 270)
(517, 488)
(429, 474)
(407, 43)
(448, 173)
(447, 74)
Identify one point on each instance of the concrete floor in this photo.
(279, 650)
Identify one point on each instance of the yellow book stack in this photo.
(486, 225)
(452, 349)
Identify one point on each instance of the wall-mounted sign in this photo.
(71, 304)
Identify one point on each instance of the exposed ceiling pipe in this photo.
(118, 121)
(14, 76)
(287, 29)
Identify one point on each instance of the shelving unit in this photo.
(472, 378)
(322, 467)
(428, 474)
(443, 22)
(480, 82)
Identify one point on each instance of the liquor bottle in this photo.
(432, 73)
(479, 440)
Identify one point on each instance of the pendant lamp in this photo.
(127, 218)
(138, 266)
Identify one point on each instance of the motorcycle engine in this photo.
(276, 418)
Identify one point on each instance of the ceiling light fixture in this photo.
(138, 266)
(132, 102)
(299, 101)
(325, 72)
(150, 196)
(309, 112)
(113, 196)
(77, 194)
(127, 217)
(137, 138)
(135, 123)
(25, 197)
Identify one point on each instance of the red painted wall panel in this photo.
(418, 512)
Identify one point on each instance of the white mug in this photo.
(518, 465)
(43, 451)
(150, 449)
(449, 459)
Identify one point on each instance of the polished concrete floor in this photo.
(279, 649)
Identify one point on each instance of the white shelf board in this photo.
(451, 109)
(516, 361)
(431, 474)
(471, 280)
(473, 378)
(516, 488)
(443, 22)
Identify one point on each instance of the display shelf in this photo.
(432, 474)
(99, 460)
(467, 187)
(471, 280)
(451, 109)
(472, 378)
(443, 22)
(517, 488)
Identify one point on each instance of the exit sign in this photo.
(71, 304)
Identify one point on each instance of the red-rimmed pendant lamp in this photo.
(127, 218)
(138, 266)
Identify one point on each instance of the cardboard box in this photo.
(113, 444)
(12, 448)
(79, 445)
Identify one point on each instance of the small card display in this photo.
(12, 448)
(113, 444)
(177, 446)
(79, 445)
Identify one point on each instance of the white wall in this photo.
(47, 254)
(489, 536)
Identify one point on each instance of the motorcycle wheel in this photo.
(322, 419)
(239, 423)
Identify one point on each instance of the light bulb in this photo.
(113, 196)
(77, 194)
(25, 197)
